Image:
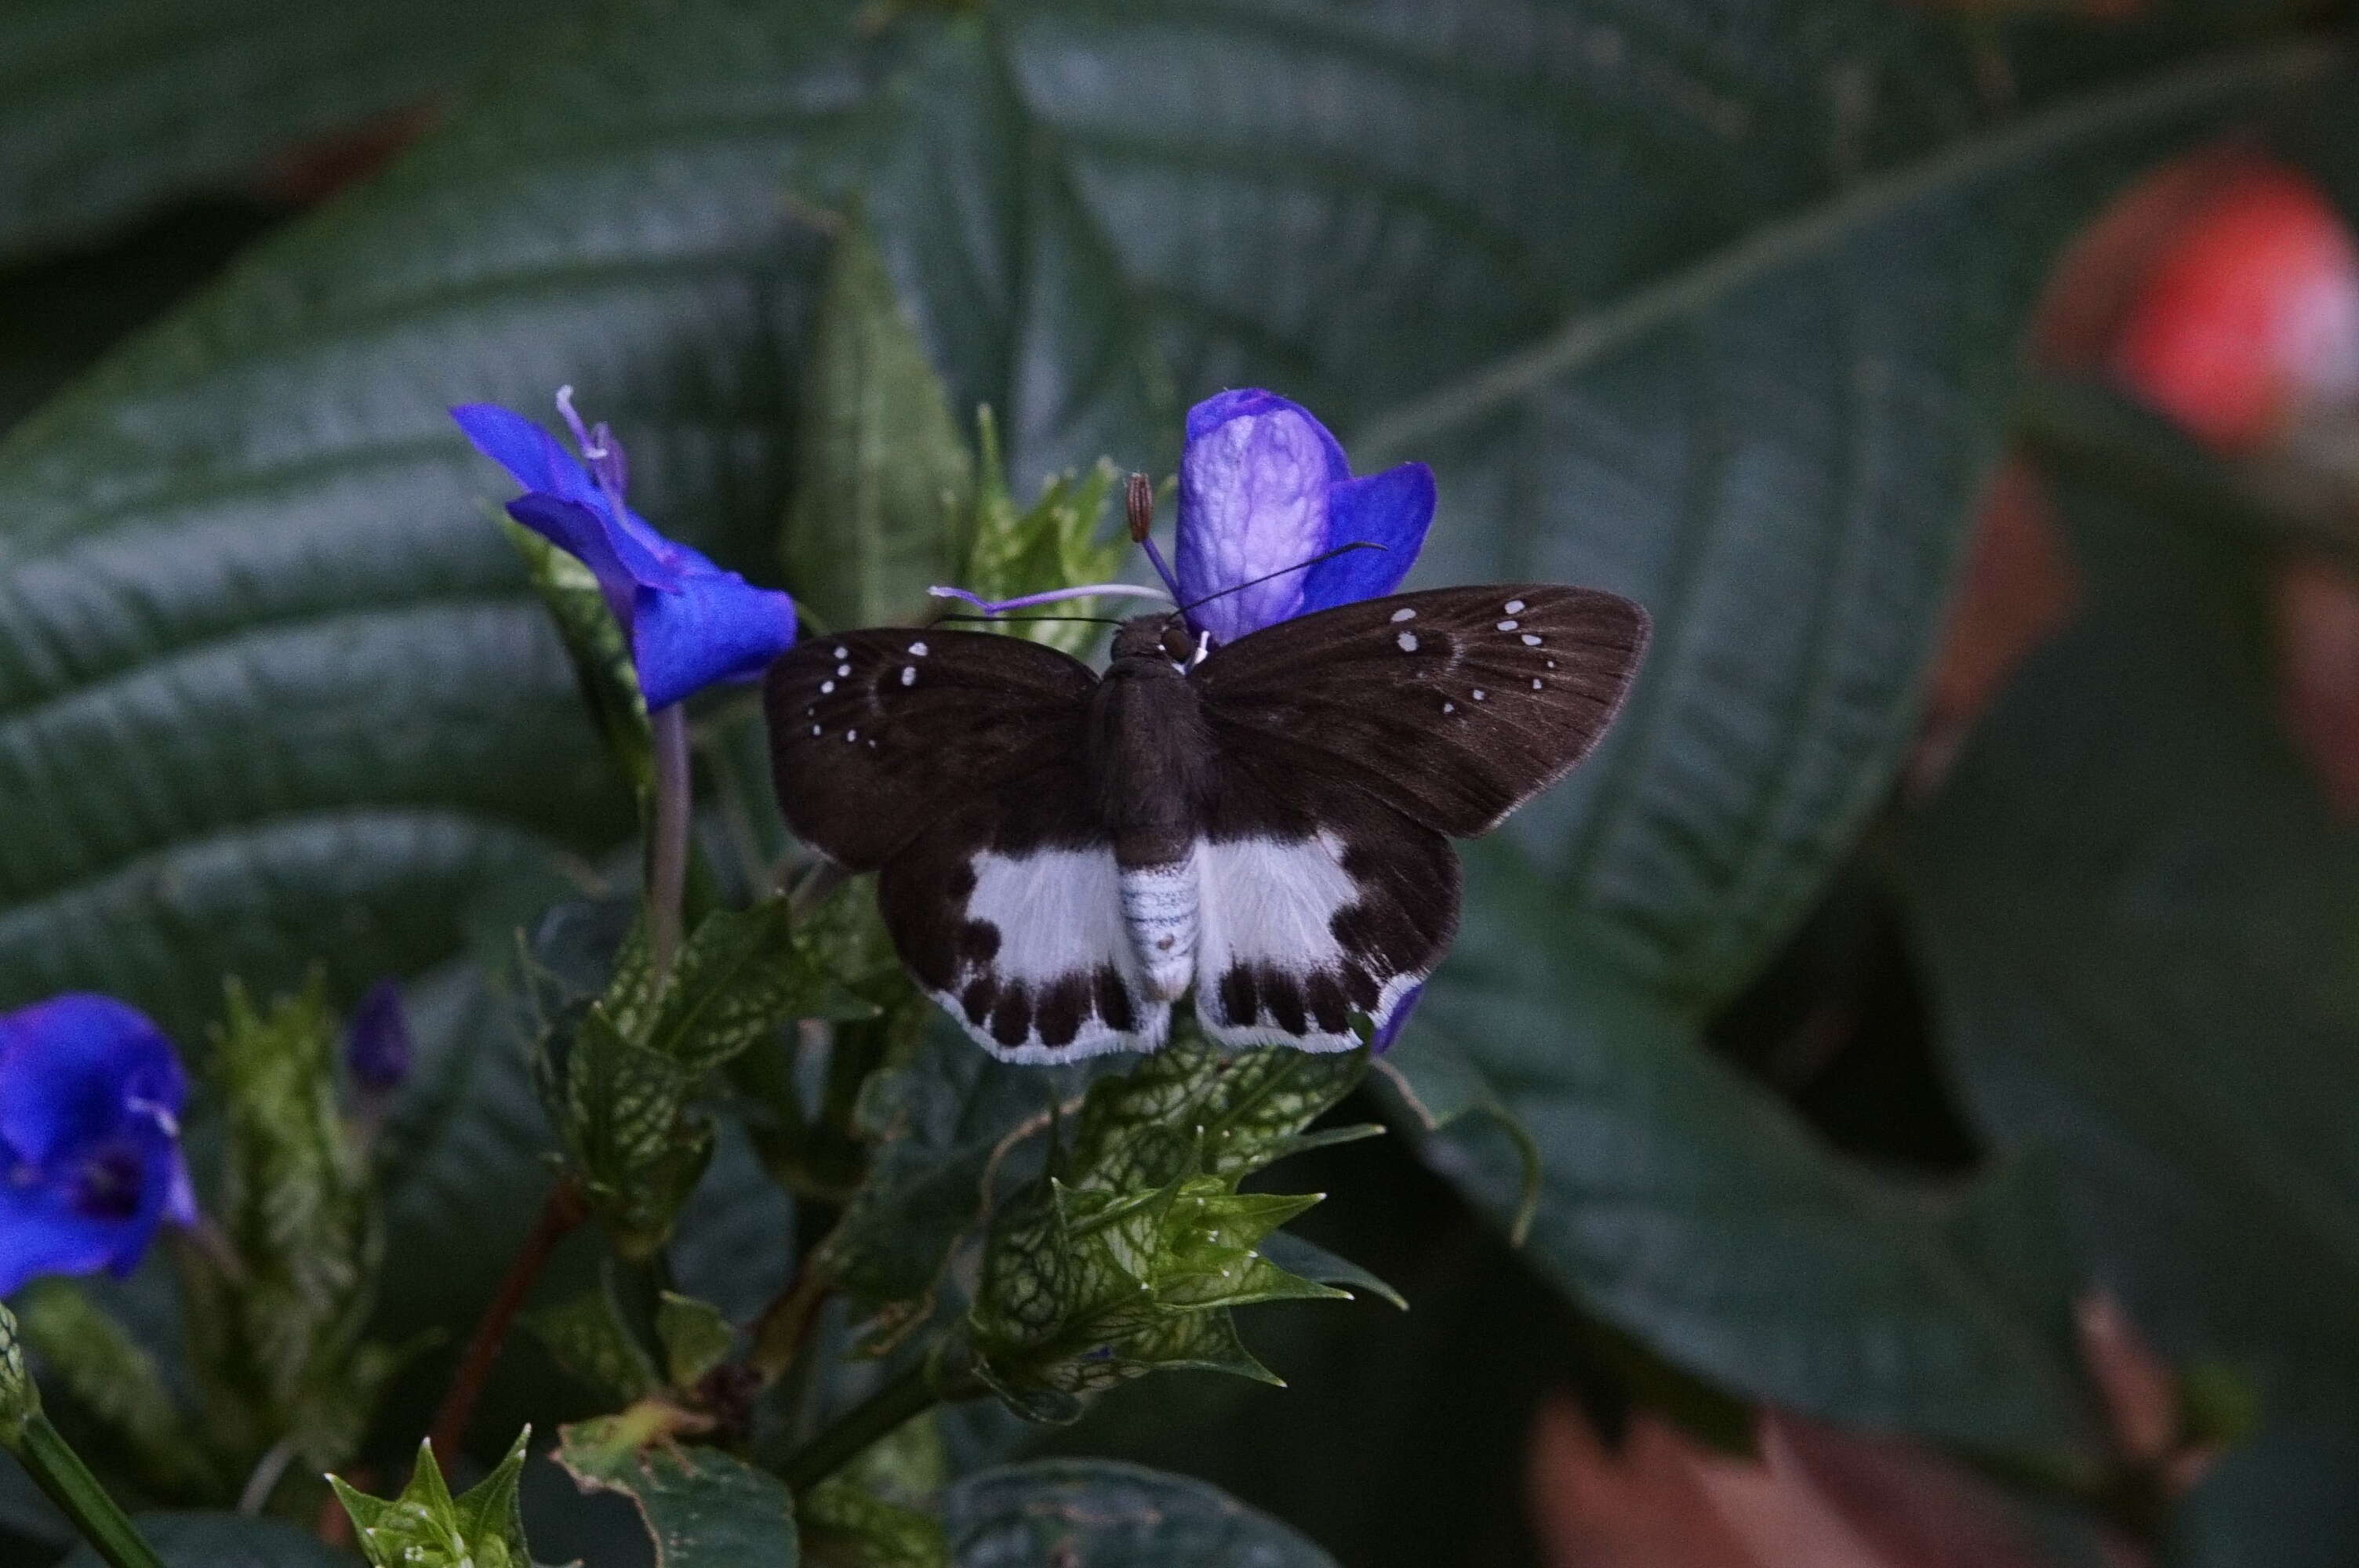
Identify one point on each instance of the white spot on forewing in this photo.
(919, 650)
(1509, 625)
(851, 734)
(1530, 641)
(1449, 708)
(825, 687)
(1537, 682)
(1401, 615)
(1551, 664)
(1514, 607)
(814, 728)
(842, 671)
(1407, 641)
(841, 651)
(1478, 693)
(908, 675)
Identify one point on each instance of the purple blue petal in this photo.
(1393, 508)
(715, 627)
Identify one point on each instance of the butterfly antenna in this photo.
(1298, 566)
(1053, 596)
(1034, 620)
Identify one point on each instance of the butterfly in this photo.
(1063, 856)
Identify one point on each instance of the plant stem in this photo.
(558, 1215)
(668, 836)
(58, 1471)
(780, 1333)
(876, 1417)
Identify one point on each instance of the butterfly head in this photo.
(1156, 643)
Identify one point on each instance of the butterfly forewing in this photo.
(875, 735)
(1452, 705)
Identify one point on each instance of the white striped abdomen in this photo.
(1158, 905)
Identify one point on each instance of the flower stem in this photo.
(875, 1418)
(668, 844)
(558, 1215)
(58, 1471)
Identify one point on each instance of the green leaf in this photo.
(118, 1382)
(623, 1113)
(1023, 305)
(1052, 544)
(741, 975)
(1681, 1204)
(696, 1337)
(884, 500)
(1192, 1106)
(599, 652)
(936, 1127)
(425, 1526)
(701, 1507)
(227, 1541)
(2140, 921)
(1132, 1260)
(108, 108)
(1068, 1513)
(279, 1339)
(592, 1340)
(842, 1523)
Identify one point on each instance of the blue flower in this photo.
(691, 624)
(1263, 488)
(90, 1139)
(376, 1046)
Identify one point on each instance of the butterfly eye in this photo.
(1176, 645)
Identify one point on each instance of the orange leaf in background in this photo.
(2315, 614)
(1817, 1498)
(2019, 588)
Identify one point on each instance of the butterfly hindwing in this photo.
(1006, 912)
(1315, 901)
(1454, 706)
(875, 734)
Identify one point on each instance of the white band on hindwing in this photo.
(1158, 905)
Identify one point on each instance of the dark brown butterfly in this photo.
(1064, 855)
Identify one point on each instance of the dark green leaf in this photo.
(1093, 1514)
(623, 1113)
(937, 1127)
(1684, 1205)
(1053, 543)
(107, 107)
(1311, 1262)
(696, 1337)
(277, 1339)
(227, 1541)
(842, 1523)
(1027, 280)
(885, 496)
(115, 1378)
(2138, 917)
(703, 1509)
(740, 976)
(592, 1339)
